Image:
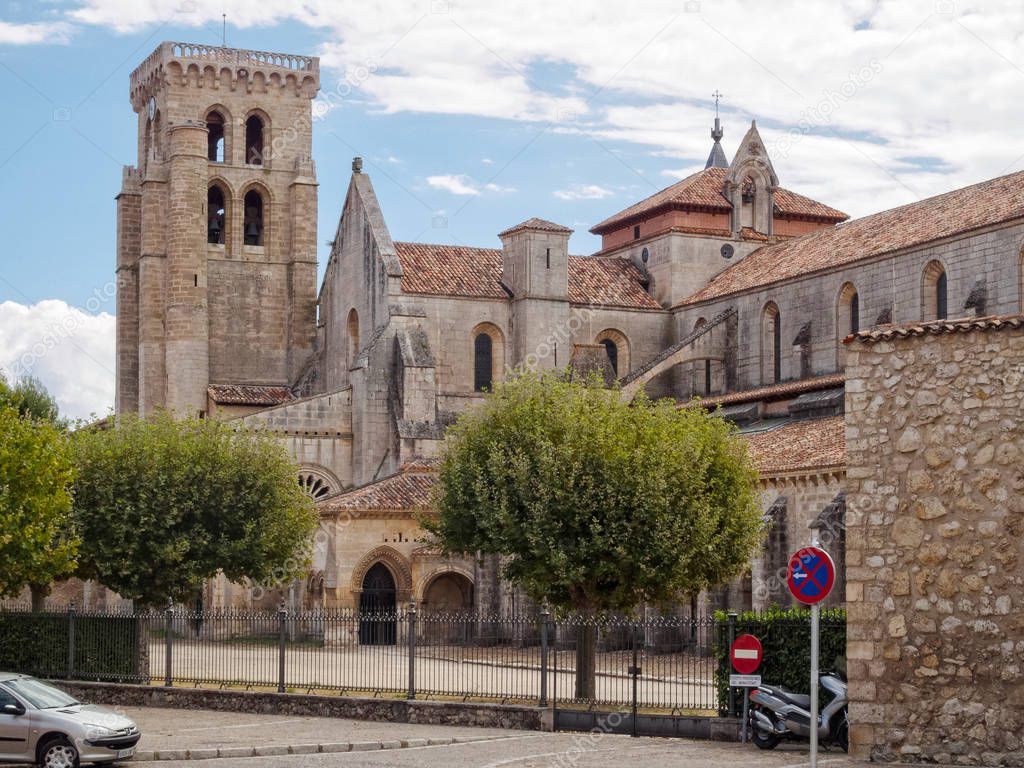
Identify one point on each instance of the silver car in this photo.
(42, 724)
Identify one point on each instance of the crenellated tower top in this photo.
(217, 67)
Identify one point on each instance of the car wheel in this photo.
(58, 752)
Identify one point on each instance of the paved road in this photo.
(184, 730)
(543, 751)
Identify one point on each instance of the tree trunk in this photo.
(39, 593)
(586, 658)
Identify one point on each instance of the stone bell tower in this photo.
(216, 226)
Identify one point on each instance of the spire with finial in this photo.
(717, 157)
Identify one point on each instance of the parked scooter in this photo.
(777, 714)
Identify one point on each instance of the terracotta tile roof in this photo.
(608, 282)
(938, 327)
(703, 191)
(407, 490)
(801, 445)
(449, 270)
(962, 210)
(542, 224)
(772, 391)
(248, 394)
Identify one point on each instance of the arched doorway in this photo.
(377, 604)
(447, 593)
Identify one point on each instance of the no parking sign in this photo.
(811, 575)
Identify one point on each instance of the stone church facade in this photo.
(724, 290)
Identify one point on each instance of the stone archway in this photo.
(393, 560)
(378, 615)
(446, 594)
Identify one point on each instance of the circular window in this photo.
(644, 255)
(315, 484)
(727, 251)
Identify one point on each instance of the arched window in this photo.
(483, 363)
(254, 140)
(934, 292)
(617, 346)
(488, 356)
(847, 311)
(216, 215)
(941, 298)
(771, 345)
(748, 191)
(613, 354)
(847, 317)
(353, 336)
(215, 137)
(253, 225)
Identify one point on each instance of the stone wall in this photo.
(387, 710)
(935, 573)
(793, 503)
(891, 283)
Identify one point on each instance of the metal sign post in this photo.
(815, 618)
(812, 574)
(745, 653)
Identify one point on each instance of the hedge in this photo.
(785, 636)
(106, 647)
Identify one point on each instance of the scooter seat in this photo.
(802, 700)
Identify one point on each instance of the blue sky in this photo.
(472, 117)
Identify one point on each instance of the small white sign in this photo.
(744, 681)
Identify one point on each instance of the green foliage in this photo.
(31, 400)
(38, 541)
(597, 503)
(164, 504)
(37, 644)
(785, 635)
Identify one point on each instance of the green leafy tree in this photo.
(31, 400)
(37, 536)
(597, 504)
(164, 504)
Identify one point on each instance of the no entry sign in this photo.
(812, 574)
(746, 654)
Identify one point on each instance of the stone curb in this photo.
(278, 750)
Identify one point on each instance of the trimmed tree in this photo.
(33, 402)
(37, 535)
(164, 504)
(596, 504)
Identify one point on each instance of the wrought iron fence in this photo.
(656, 663)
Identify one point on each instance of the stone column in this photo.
(129, 236)
(152, 299)
(187, 320)
(302, 287)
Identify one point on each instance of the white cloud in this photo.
(874, 82)
(71, 351)
(53, 33)
(461, 184)
(583, 192)
(455, 184)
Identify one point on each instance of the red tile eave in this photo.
(771, 392)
